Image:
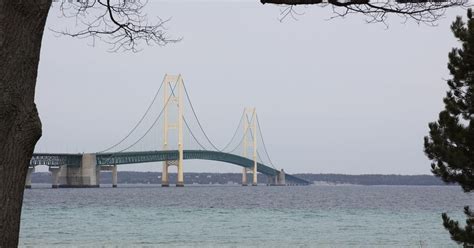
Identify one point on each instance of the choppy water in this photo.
(313, 216)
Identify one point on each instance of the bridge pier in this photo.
(270, 180)
(54, 177)
(277, 180)
(58, 176)
(180, 182)
(244, 176)
(165, 182)
(254, 175)
(165, 174)
(114, 176)
(113, 169)
(28, 177)
(87, 175)
(281, 178)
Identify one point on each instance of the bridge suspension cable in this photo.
(151, 127)
(263, 142)
(186, 123)
(244, 134)
(195, 116)
(138, 123)
(192, 134)
(235, 132)
(233, 136)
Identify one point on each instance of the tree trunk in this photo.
(21, 29)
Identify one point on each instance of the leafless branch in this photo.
(289, 11)
(120, 23)
(420, 11)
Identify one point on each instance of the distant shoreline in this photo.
(132, 177)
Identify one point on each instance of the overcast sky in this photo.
(338, 96)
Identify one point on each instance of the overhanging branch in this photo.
(120, 23)
(421, 11)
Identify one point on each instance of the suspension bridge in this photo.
(160, 136)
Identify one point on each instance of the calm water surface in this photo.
(198, 216)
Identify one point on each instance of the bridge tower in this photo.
(173, 84)
(250, 140)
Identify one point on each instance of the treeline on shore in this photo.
(133, 177)
(372, 179)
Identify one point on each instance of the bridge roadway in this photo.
(74, 160)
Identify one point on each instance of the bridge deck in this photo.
(155, 156)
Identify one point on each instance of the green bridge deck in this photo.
(74, 160)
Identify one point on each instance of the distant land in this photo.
(131, 177)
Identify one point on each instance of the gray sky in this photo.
(337, 96)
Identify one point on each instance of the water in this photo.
(224, 216)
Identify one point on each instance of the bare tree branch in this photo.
(420, 11)
(120, 23)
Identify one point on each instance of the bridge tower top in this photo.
(172, 97)
(250, 132)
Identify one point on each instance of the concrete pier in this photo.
(87, 175)
(281, 178)
(180, 179)
(254, 175)
(244, 176)
(54, 177)
(270, 180)
(164, 175)
(58, 176)
(28, 177)
(114, 176)
(90, 173)
(277, 180)
(113, 170)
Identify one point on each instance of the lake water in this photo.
(231, 216)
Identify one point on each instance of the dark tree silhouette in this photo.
(122, 24)
(420, 11)
(450, 144)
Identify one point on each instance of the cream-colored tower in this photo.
(169, 99)
(252, 125)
